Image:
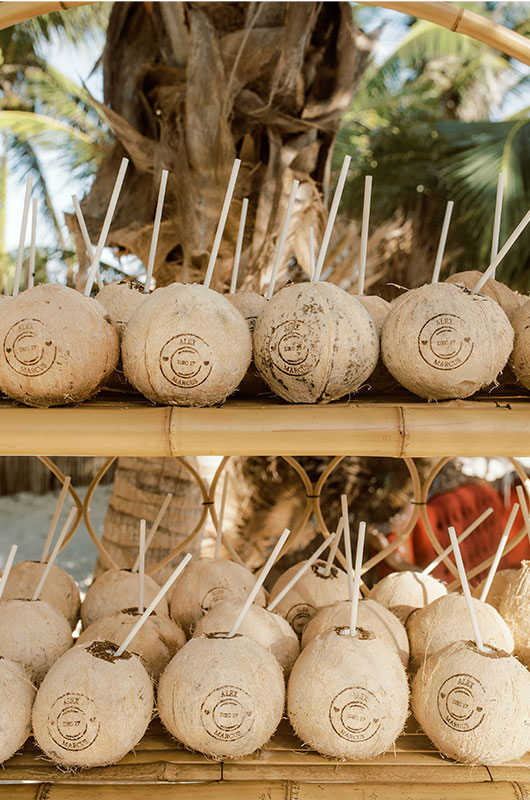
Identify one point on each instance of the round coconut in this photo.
(500, 581)
(233, 692)
(446, 620)
(312, 591)
(155, 644)
(115, 590)
(16, 701)
(33, 633)
(348, 696)
(508, 300)
(268, 629)
(250, 305)
(380, 380)
(59, 590)
(57, 346)
(205, 582)
(121, 299)
(440, 341)
(403, 592)
(514, 607)
(372, 617)
(314, 343)
(520, 357)
(92, 707)
(186, 345)
(474, 705)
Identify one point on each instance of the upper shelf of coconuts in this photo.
(186, 345)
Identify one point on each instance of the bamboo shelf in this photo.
(284, 770)
(114, 425)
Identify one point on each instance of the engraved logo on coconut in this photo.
(461, 700)
(299, 615)
(29, 349)
(186, 360)
(444, 342)
(355, 714)
(213, 596)
(227, 713)
(294, 348)
(72, 722)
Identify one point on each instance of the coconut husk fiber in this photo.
(17, 694)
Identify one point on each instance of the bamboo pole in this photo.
(461, 20)
(16, 12)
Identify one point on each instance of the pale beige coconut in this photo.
(348, 696)
(500, 581)
(440, 341)
(117, 589)
(59, 590)
(312, 591)
(372, 617)
(33, 633)
(17, 694)
(520, 357)
(250, 305)
(380, 380)
(186, 345)
(270, 630)
(92, 707)
(314, 343)
(121, 299)
(514, 607)
(403, 592)
(155, 644)
(473, 705)
(233, 693)
(205, 582)
(446, 620)
(57, 346)
(508, 300)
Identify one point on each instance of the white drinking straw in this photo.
(497, 218)
(333, 548)
(22, 237)
(332, 216)
(347, 542)
(55, 519)
(281, 242)
(33, 244)
(222, 222)
(141, 567)
(438, 560)
(502, 252)
(7, 568)
(154, 527)
(303, 569)
(156, 229)
(220, 519)
(106, 226)
(259, 582)
(499, 552)
(86, 238)
(441, 243)
(365, 225)
(465, 588)
(54, 553)
(357, 578)
(152, 605)
(312, 253)
(239, 244)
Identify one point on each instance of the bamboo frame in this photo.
(12, 13)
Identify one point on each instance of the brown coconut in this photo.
(502, 578)
(440, 341)
(474, 705)
(57, 346)
(348, 696)
(372, 617)
(59, 590)
(92, 707)
(186, 345)
(314, 343)
(268, 629)
(508, 300)
(233, 693)
(155, 644)
(514, 607)
(205, 582)
(121, 299)
(17, 695)
(446, 620)
(312, 591)
(403, 592)
(116, 589)
(33, 633)
(250, 305)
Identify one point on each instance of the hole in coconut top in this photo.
(489, 651)
(318, 568)
(106, 651)
(133, 612)
(361, 633)
(222, 635)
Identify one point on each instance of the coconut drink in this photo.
(114, 590)
(250, 305)
(58, 346)
(403, 592)
(509, 301)
(59, 589)
(17, 694)
(121, 299)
